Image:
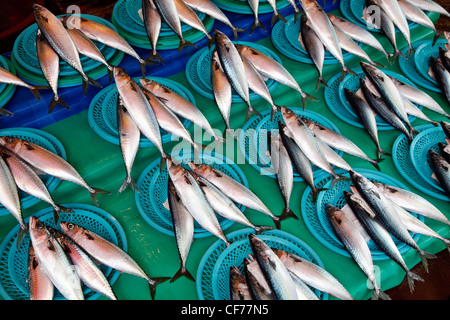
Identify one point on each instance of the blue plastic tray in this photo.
(13, 262)
(102, 114)
(423, 54)
(198, 72)
(153, 186)
(317, 221)
(46, 141)
(214, 266)
(251, 144)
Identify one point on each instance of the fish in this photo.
(224, 206)
(257, 283)
(139, 109)
(412, 202)
(284, 172)
(40, 287)
(385, 210)
(104, 34)
(54, 261)
(313, 275)
(332, 156)
(48, 162)
(181, 106)
(169, 13)
(129, 141)
(233, 66)
(189, 17)
(254, 5)
(445, 151)
(107, 253)
(88, 48)
(381, 237)
(429, 5)
(276, 14)
(304, 138)
(194, 200)
(233, 189)
(414, 111)
(416, 15)
(446, 128)
(239, 289)
(442, 77)
(324, 29)
(356, 246)
(9, 198)
(299, 160)
(222, 91)
(441, 169)
(61, 42)
(297, 10)
(338, 141)
(183, 226)
(272, 69)
(367, 116)
(10, 78)
(210, 9)
(303, 291)
(444, 56)
(358, 33)
(29, 181)
(49, 64)
(88, 271)
(152, 22)
(273, 269)
(314, 47)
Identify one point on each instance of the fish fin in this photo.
(274, 112)
(346, 70)
(425, 256)
(411, 278)
(95, 192)
(316, 192)
(154, 282)
(277, 16)
(55, 101)
(288, 213)
(379, 294)
(437, 35)
(182, 272)
(210, 40)
(157, 56)
(129, 182)
(110, 73)
(257, 24)
(321, 81)
(162, 164)
(376, 162)
(6, 113)
(184, 43)
(261, 229)
(277, 222)
(57, 211)
(380, 152)
(297, 14)
(252, 111)
(87, 81)
(23, 230)
(306, 96)
(236, 30)
(35, 92)
(338, 178)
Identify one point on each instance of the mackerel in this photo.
(239, 289)
(257, 283)
(276, 14)
(40, 287)
(416, 15)
(441, 169)
(254, 5)
(442, 76)
(152, 22)
(429, 5)
(303, 291)
(222, 90)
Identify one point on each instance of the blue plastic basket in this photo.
(13, 262)
(409, 69)
(317, 221)
(252, 146)
(46, 141)
(404, 165)
(198, 72)
(153, 185)
(215, 265)
(242, 6)
(102, 114)
(423, 54)
(424, 142)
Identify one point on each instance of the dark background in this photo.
(16, 15)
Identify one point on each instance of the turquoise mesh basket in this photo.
(317, 221)
(102, 114)
(8, 90)
(242, 6)
(213, 271)
(424, 142)
(253, 144)
(404, 165)
(13, 262)
(44, 140)
(198, 72)
(423, 54)
(153, 185)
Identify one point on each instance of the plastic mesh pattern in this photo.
(424, 53)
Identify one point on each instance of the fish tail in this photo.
(379, 294)
(96, 191)
(110, 73)
(210, 40)
(35, 92)
(297, 14)
(346, 70)
(184, 43)
(57, 212)
(380, 152)
(182, 272)
(155, 55)
(288, 213)
(23, 230)
(236, 30)
(4, 112)
(162, 165)
(277, 16)
(153, 282)
(274, 112)
(437, 35)
(376, 162)
(277, 222)
(129, 182)
(321, 81)
(55, 101)
(261, 229)
(424, 256)
(257, 24)
(315, 193)
(338, 178)
(252, 111)
(87, 81)
(306, 96)
(411, 278)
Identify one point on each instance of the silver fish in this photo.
(152, 22)
(195, 200)
(239, 289)
(297, 10)
(445, 151)
(183, 225)
(9, 78)
(446, 128)
(107, 253)
(303, 291)
(222, 91)
(257, 283)
(276, 14)
(332, 157)
(59, 39)
(40, 287)
(441, 169)
(416, 15)
(442, 76)
(54, 261)
(254, 5)
(429, 5)
(412, 110)
(129, 140)
(356, 246)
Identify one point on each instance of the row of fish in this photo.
(440, 161)
(390, 99)
(22, 162)
(67, 259)
(274, 274)
(382, 212)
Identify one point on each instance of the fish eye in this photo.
(8, 139)
(39, 226)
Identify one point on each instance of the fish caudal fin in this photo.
(236, 30)
(346, 70)
(153, 282)
(129, 182)
(321, 81)
(4, 112)
(337, 178)
(252, 111)
(156, 55)
(424, 256)
(55, 101)
(261, 229)
(57, 212)
(257, 24)
(411, 278)
(380, 152)
(184, 43)
(35, 90)
(89, 81)
(182, 272)
(306, 96)
(277, 16)
(315, 193)
(288, 213)
(379, 294)
(96, 191)
(23, 230)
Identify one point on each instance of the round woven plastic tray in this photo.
(409, 68)
(423, 54)
(242, 6)
(316, 218)
(198, 72)
(13, 262)
(153, 185)
(404, 165)
(46, 141)
(252, 145)
(8, 90)
(213, 271)
(424, 142)
(102, 114)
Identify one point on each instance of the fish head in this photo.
(10, 143)
(199, 168)
(175, 170)
(147, 83)
(333, 212)
(288, 114)
(258, 245)
(434, 156)
(446, 127)
(121, 76)
(220, 37)
(70, 229)
(38, 231)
